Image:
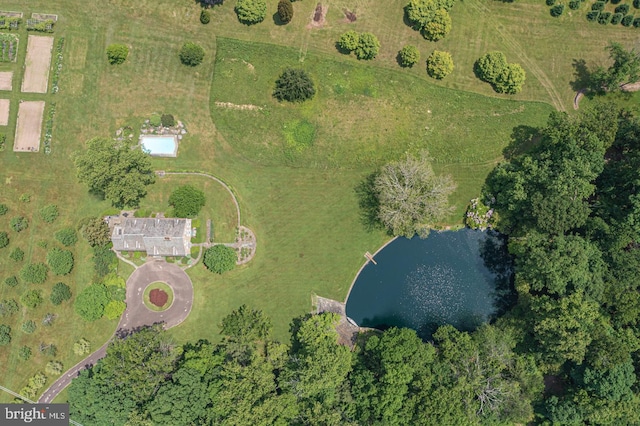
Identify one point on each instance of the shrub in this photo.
(187, 201)
(491, 65)
(599, 6)
(16, 254)
(636, 4)
(349, 41)
(104, 260)
(8, 307)
(205, 17)
(438, 27)
(627, 20)
(557, 10)
(294, 85)
(29, 326)
(54, 368)
(408, 56)
(285, 11)
(368, 46)
(34, 273)
(25, 198)
(167, 120)
(82, 347)
(60, 261)
(593, 15)
(67, 236)
(550, 2)
(3, 209)
(623, 9)
(49, 213)
(155, 120)
(117, 53)
(191, 54)
(574, 4)
(114, 309)
(91, 301)
(96, 232)
(31, 299)
(42, 244)
(49, 350)
(220, 259)
(24, 353)
(5, 335)
(616, 18)
(11, 281)
(604, 18)
(19, 223)
(60, 293)
(251, 11)
(636, 23)
(439, 64)
(4, 239)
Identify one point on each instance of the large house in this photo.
(157, 237)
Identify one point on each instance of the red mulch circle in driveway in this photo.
(158, 297)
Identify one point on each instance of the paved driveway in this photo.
(137, 314)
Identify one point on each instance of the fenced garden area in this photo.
(9, 47)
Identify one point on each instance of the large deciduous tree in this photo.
(111, 169)
(625, 69)
(251, 11)
(294, 85)
(91, 302)
(186, 201)
(411, 196)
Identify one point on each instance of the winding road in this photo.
(137, 314)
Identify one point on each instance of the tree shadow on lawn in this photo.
(581, 74)
(523, 139)
(368, 202)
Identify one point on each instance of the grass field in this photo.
(300, 203)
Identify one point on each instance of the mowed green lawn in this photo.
(300, 203)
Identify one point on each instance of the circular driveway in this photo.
(137, 314)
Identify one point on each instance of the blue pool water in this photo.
(162, 146)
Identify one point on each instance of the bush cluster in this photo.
(3, 209)
(574, 4)
(31, 299)
(60, 293)
(16, 254)
(205, 17)
(167, 120)
(34, 273)
(251, 11)
(220, 259)
(11, 281)
(294, 85)
(117, 53)
(636, 4)
(430, 17)
(408, 56)
(557, 10)
(191, 54)
(439, 64)
(494, 69)
(4, 239)
(19, 223)
(604, 18)
(60, 261)
(285, 11)
(364, 45)
(49, 213)
(616, 18)
(67, 236)
(187, 201)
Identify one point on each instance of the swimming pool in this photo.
(160, 146)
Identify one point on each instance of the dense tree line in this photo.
(570, 207)
(392, 377)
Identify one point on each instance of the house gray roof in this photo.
(158, 237)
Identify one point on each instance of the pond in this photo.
(462, 278)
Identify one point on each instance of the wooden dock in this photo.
(369, 256)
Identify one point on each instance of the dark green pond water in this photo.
(462, 278)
